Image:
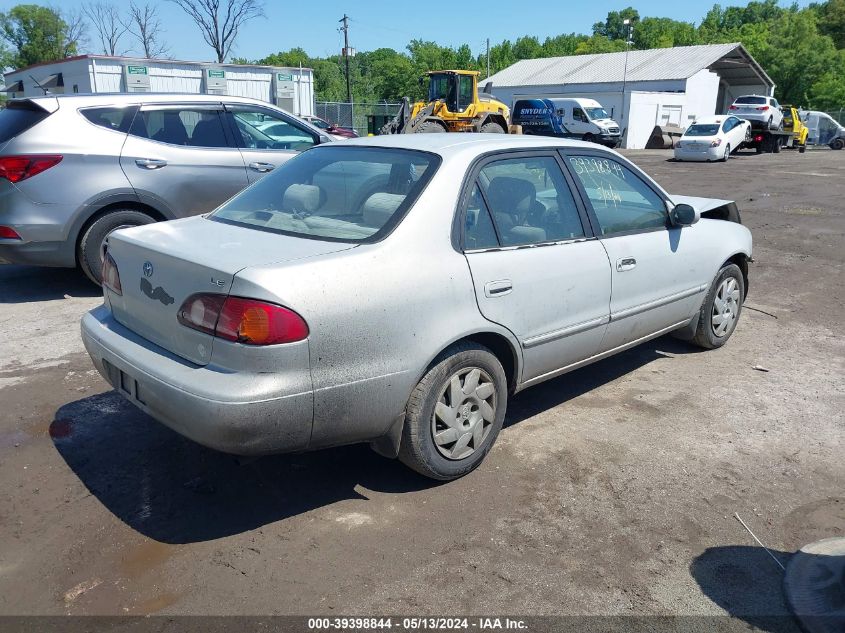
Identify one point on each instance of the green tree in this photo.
(38, 34)
(663, 33)
(614, 28)
(831, 20)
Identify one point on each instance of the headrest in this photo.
(380, 207)
(511, 195)
(301, 198)
(526, 235)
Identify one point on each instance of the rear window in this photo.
(752, 100)
(703, 130)
(348, 194)
(18, 117)
(111, 118)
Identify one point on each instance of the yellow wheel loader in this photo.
(453, 105)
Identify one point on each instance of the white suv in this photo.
(762, 112)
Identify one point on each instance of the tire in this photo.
(837, 144)
(491, 127)
(721, 308)
(776, 147)
(430, 127)
(449, 458)
(769, 124)
(89, 250)
(589, 138)
(727, 153)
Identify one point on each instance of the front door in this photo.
(179, 157)
(659, 277)
(266, 137)
(536, 270)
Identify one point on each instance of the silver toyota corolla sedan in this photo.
(396, 291)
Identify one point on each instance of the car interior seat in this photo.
(172, 130)
(208, 133)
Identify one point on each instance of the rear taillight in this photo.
(109, 275)
(17, 168)
(733, 107)
(8, 233)
(758, 138)
(763, 108)
(246, 321)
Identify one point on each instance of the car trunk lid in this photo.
(160, 265)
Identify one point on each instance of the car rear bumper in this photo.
(59, 254)
(231, 411)
(710, 153)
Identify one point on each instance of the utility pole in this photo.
(488, 57)
(629, 27)
(347, 53)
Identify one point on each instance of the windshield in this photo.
(349, 194)
(440, 87)
(752, 100)
(710, 129)
(597, 113)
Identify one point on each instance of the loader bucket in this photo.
(664, 136)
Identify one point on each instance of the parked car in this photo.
(332, 129)
(712, 138)
(75, 167)
(389, 290)
(567, 118)
(760, 111)
(823, 129)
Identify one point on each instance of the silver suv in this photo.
(73, 168)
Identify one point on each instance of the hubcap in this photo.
(464, 413)
(725, 307)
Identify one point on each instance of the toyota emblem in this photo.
(148, 269)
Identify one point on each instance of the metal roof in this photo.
(731, 61)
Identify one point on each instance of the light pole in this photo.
(629, 28)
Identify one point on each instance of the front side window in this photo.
(578, 114)
(530, 201)
(181, 126)
(621, 201)
(349, 194)
(261, 129)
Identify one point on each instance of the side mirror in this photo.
(323, 139)
(488, 88)
(684, 215)
(421, 81)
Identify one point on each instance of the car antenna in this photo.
(46, 91)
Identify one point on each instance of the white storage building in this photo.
(654, 87)
(290, 88)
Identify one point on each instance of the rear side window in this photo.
(111, 118)
(18, 117)
(181, 126)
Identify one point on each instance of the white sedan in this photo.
(712, 138)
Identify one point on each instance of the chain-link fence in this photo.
(838, 115)
(364, 118)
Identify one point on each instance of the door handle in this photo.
(150, 163)
(498, 288)
(262, 167)
(626, 263)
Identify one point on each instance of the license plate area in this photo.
(124, 383)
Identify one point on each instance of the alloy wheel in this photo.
(464, 413)
(725, 307)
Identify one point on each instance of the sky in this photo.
(393, 23)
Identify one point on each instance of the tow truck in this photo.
(792, 135)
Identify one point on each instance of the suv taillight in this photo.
(8, 233)
(733, 107)
(17, 168)
(763, 108)
(246, 321)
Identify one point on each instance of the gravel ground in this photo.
(611, 490)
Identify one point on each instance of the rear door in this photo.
(266, 138)
(536, 269)
(181, 158)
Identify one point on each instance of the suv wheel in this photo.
(89, 251)
(455, 413)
